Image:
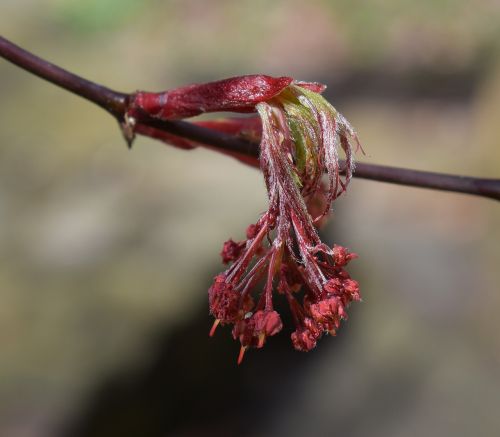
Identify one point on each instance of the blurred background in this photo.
(107, 254)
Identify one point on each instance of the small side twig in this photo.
(115, 103)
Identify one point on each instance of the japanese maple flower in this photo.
(300, 138)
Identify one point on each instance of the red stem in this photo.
(116, 102)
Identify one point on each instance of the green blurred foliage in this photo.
(92, 16)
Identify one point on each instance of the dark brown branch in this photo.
(112, 101)
(116, 102)
(424, 179)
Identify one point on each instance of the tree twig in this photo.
(116, 103)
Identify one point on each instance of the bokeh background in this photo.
(107, 254)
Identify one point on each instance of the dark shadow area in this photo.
(193, 386)
(390, 85)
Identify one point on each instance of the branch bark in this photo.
(115, 103)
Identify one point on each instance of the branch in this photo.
(116, 103)
(112, 101)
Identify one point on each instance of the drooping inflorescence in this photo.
(301, 135)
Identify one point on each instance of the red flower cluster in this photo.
(301, 134)
(323, 313)
(319, 309)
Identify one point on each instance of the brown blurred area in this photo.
(106, 254)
